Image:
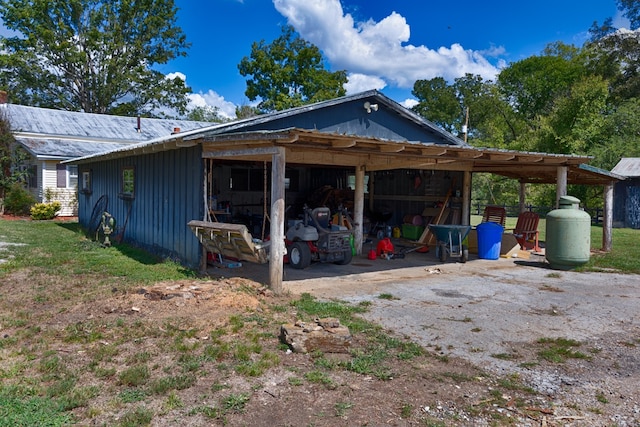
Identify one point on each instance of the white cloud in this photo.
(212, 99)
(380, 49)
(179, 75)
(361, 82)
(409, 103)
(226, 109)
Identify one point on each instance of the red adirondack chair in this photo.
(496, 214)
(526, 231)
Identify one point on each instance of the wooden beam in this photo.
(249, 152)
(277, 249)
(501, 156)
(466, 198)
(343, 143)
(607, 226)
(391, 148)
(358, 209)
(434, 151)
(468, 154)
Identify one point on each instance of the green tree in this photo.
(205, 113)
(618, 135)
(631, 10)
(246, 111)
(92, 55)
(439, 103)
(12, 157)
(289, 72)
(491, 120)
(533, 84)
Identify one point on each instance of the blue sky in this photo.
(386, 45)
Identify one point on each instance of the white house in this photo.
(52, 136)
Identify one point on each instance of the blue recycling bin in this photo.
(489, 240)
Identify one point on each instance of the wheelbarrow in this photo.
(449, 241)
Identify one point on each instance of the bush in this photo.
(18, 201)
(45, 210)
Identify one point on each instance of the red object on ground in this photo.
(384, 247)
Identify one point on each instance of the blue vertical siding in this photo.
(168, 194)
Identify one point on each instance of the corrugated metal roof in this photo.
(45, 121)
(48, 133)
(628, 167)
(55, 148)
(239, 126)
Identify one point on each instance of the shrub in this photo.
(45, 210)
(18, 201)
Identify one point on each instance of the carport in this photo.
(368, 154)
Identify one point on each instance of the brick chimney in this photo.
(4, 97)
(175, 130)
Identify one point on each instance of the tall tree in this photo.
(289, 72)
(630, 10)
(533, 84)
(439, 103)
(92, 55)
(491, 120)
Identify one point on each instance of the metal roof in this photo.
(628, 167)
(236, 127)
(67, 134)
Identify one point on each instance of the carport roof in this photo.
(321, 148)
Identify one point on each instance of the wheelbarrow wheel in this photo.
(443, 252)
(465, 254)
(299, 255)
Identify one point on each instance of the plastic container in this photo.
(489, 240)
(412, 232)
(568, 235)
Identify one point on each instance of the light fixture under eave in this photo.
(370, 107)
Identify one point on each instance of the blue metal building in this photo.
(382, 155)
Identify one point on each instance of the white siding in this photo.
(66, 196)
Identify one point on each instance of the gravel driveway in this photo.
(487, 311)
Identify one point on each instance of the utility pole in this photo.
(465, 127)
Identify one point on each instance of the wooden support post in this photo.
(466, 198)
(561, 184)
(523, 197)
(358, 209)
(277, 247)
(607, 221)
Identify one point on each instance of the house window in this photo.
(32, 176)
(73, 176)
(66, 176)
(61, 175)
(86, 182)
(128, 182)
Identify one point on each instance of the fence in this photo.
(513, 210)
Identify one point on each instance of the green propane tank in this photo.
(568, 235)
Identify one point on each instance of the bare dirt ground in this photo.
(480, 322)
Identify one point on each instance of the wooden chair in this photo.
(496, 214)
(526, 231)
